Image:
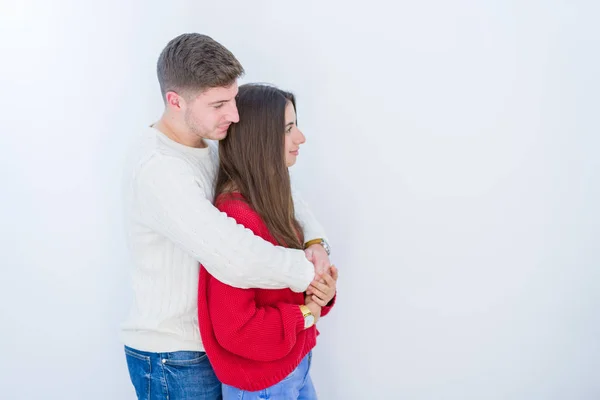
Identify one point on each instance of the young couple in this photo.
(227, 293)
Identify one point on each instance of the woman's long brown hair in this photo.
(252, 160)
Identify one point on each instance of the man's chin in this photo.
(219, 134)
(216, 136)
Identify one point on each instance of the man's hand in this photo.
(318, 256)
(323, 292)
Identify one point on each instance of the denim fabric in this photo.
(181, 375)
(296, 386)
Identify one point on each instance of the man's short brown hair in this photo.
(193, 62)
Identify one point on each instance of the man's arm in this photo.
(312, 230)
(311, 227)
(172, 202)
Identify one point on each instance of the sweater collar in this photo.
(192, 151)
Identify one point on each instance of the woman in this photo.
(259, 341)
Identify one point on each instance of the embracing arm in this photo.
(173, 203)
(311, 227)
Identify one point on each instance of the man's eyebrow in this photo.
(217, 102)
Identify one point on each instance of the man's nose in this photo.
(233, 115)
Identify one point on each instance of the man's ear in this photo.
(173, 100)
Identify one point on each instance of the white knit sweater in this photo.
(172, 227)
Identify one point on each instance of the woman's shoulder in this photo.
(235, 205)
(233, 202)
(229, 197)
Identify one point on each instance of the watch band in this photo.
(320, 241)
(305, 310)
(311, 242)
(309, 318)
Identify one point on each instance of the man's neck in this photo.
(170, 131)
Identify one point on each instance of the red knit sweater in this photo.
(254, 338)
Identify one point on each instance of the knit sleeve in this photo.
(173, 202)
(242, 327)
(310, 226)
(325, 310)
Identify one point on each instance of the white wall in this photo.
(451, 156)
(77, 78)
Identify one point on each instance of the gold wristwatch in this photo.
(309, 318)
(320, 241)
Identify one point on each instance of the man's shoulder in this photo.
(146, 149)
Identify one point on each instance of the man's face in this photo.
(209, 115)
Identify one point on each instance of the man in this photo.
(172, 225)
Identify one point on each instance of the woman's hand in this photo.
(323, 292)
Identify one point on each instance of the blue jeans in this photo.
(296, 386)
(181, 375)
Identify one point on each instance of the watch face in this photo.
(326, 246)
(309, 320)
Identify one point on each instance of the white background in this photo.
(451, 155)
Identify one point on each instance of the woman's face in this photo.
(293, 136)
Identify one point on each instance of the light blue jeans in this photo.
(181, 375)
(296, 386)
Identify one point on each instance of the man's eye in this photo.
(219, 105)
